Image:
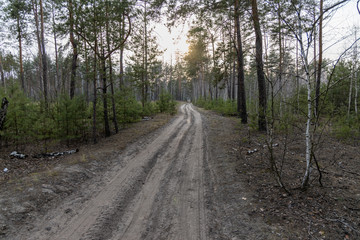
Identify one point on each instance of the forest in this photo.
(81, 70)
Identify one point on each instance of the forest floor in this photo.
(193, 176)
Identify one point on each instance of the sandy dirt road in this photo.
(154, 191)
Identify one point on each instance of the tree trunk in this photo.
(259, 68)
(319, 68)
(104, 92)
(2, 72)
(308, 138)
(297, 77)
(95, 79)
(146, 80)
(233, 80)
(22, 78)
(350, 96)
(87, 72)
(241, 103)
(280, 61)
(3, 111)
(121, 73)
(355, 75)
(56, 81)
(37, 33)
(110, 73)
(122, 83)
(43, 53)
(94, 100)
(74, 47)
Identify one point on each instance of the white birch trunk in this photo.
(355, 75)
(356, 90)
(308, 137)
(350, 96)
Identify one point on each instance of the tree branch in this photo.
(114, 49)
(123, 41)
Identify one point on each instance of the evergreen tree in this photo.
(145, 66)
(18, 11)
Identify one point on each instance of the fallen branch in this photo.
(15, 154)
(55, 154)
(342, 168)
(344, 223)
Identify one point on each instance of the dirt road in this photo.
(155, 191)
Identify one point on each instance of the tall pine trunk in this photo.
(74, 48)
(22, 78)
(319, 68)
(37, 33)
(121, 73)
(110, 71)
(87, 71)
(280, 61)
(43, 55)
(95, 77)
(146, 80)
(104, 95)
(56, 80)
(241, 103)
(259, 68)
(2, 77)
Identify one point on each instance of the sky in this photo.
(341, 25)
(172, 42)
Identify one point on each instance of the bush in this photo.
(166, 103)
(128, 110)
(347, 127)
(71, 117)
(21, 116)
(150, 109)
(224, 107)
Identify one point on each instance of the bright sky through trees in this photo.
(340, 26)
(337, 28)
(172, 42)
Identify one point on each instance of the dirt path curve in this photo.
(156, 191)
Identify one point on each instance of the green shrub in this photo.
(150, 109)
(166, 103)
(224, 107)
(128, 110)
(21, 116)
(71, 117)
(347, 127)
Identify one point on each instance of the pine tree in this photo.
(18, 10)
(145, 51)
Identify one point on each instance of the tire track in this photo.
(145, 205)
(101, 216)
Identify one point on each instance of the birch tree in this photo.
(302, 26)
